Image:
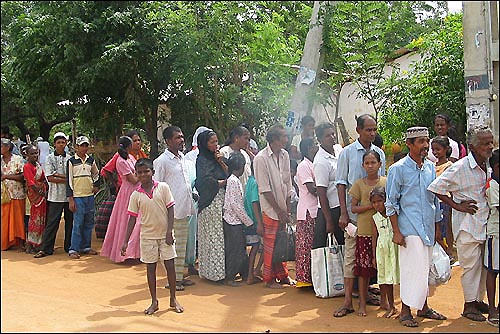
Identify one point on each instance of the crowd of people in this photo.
(211, 209)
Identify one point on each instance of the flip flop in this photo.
(473, 314)
(408, 321)
(40, 254)
(482, 307)
(493, 321)
(431, 314)
(342, 312)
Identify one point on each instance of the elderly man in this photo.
(272, 173)
(414, 212)
(465, 180)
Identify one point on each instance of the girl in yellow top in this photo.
(360, 194)
(441, 150)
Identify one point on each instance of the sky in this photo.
(455, 6)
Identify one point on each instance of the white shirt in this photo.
(325, 170)
(173, 170)
(234, 210)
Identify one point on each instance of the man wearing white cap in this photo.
(55, 170)
(414, 213)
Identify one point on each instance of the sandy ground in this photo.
(92, 294)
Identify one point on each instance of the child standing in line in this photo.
(385, 252)
(82, 183)
(441, 149)
(492, 243)
(254, 232)
(153, 201)
(37, 187)
(235, 217)
(360, 194)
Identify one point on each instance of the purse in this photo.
(284, 245)
(5, 194)
(327, 269)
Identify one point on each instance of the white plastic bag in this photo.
(327, 269)
(440, 272)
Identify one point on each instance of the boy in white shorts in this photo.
(155, 204)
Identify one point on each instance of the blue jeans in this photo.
(83, 224)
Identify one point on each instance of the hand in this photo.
(123, 250)
(170, 239)
(260, 229)
(343, 221)
(398, 239)
(468, 206)
(218, 155)
(72, 206)
(284, 218)
(330, 228)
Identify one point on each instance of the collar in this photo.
(57, 154)
(473, 163)
(359, 146)
(327, 154)
(413, 164)
(270, 152)
(141, 189)
(83, 160)
(170, 155)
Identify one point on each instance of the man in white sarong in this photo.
(414, 212)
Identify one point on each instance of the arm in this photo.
(374, 243)
(170, 225)
(344, 215)
(130, 227)
(356, 208)
(235, 198)
(311, 188)
(397, 237)
(325, 209)
(16, 177)
(69, 186)
(468, 206)
(257, 214)
(282, 215)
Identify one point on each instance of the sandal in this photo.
(40, 254)
(482, 307)
(473, 314)
(74, 256)
(342, 312)
(431, 314)
(408, 321)
(90, 252)
(493, 321)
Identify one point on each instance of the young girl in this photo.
(360, 193)
(441, 150)
(37, 186)
(234, 217)
(385, 252)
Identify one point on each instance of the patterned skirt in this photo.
(364, 257)
(303, 246)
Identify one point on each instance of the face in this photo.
(282, 140)
(419, 148)
(144, 174)
(483, 150)
(378, 203)
(309, 129)
(368, 132)
(243, 141)
(176, 143)
(438, 150)
(371, 164)
(441, 127)
(60, 144)
(5, 149)
(213, 143)
(83, 148)
(328, 139)
(32, 154)
(136, 143)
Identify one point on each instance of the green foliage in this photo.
(433, 85)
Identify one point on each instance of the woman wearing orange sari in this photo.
(13, 233)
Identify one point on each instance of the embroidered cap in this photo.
(417, 131)
(82, 140)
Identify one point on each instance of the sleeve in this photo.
(383, 160)
(50, 166)
(123, 167)
(492, 194)
(342, 168)
(110, 166)
(167, 195)
(304, 174)
(252, 191)
(69, 179)
(261, 174)
(446, 182)
(438, 212)
(393, 190)
(133, 205)
(288, 182)
(355, 191)
(235, 201)
(455, 152)
(321, 173)
(29, 174)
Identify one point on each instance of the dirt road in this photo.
(56, 294)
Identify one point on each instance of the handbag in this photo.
(5, 194)
(284, 245)
(440, 272)
(327, 269)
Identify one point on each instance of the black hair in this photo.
(132, 133)
(169, 131)
(377, 191)
(320, 129)
(360, 120)
(374, 153)
(237, 131)
(306, 120)
(444, 117)
(378, 141)
(236, 161)
(30, 146)
(123, 143)
(444, 142)
(305, 145)
(144, 162)
(59, 137)
(274, 132)
(494, 158)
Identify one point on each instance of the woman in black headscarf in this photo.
(211, 170)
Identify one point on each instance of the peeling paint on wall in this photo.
(478, 114)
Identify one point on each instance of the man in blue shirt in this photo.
(414, 212)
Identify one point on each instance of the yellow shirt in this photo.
(361, 191)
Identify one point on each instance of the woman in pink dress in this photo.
(115, 235)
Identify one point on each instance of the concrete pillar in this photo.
(480, 24)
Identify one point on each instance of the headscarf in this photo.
(197, 133)
(208, 171)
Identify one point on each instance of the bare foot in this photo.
(274, 285)
(391, 312)
(362, 311)
(152, 308)
(176, 306)
(384, 306)
(253, 280)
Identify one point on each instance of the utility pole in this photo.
(480, 24)
(310, 66)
